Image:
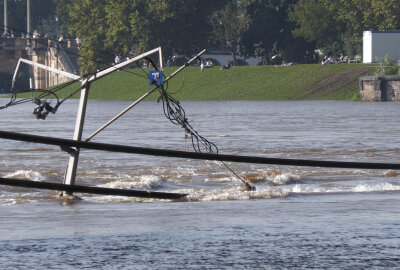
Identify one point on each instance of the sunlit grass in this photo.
(335, 82)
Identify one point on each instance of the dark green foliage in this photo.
(386, 66)
(5, 82)
(260, 28)
(21, 82)
(127, 27)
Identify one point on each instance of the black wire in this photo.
(176, 114)
(182, 86)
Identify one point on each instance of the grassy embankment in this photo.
(299, 82)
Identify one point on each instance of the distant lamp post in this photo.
(56, 18)
(28, 18)
(5, 16)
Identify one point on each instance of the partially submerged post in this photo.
(70, 174)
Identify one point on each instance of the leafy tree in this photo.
(356, 15)
(387, 14)
(228, 24)
(361, 15)
(87, 19)
(189, 27)
(123, 26)
(314, 21)
(342, 22)
(269, 32)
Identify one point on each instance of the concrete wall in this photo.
(380, 88)
(11, 49)
(47, 55)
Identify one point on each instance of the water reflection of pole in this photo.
(28, 17)
(5, 16)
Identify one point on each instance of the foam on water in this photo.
(11, 198)
(233, 192)
(27, 174)
(269, 184)
(272, 177)
(385, 186)
(342, 188)
(144, 182)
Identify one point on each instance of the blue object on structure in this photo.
(155, 77)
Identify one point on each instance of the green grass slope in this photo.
(299, 82)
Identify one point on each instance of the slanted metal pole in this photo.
(80, 119)
(147, 94)
(186, 64)
(64, 73)
(161, 62)
(121, 113)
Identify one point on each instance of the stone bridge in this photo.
(43, 51)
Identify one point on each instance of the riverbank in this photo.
(299, 82)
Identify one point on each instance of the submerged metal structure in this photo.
(155, 78)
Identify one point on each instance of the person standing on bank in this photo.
(316, 57)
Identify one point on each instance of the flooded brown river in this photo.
(298, 217)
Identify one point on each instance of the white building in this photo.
(376, 44)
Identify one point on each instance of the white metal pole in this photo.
(80, 119)
(64, 73)
(5, 16)
(28, 17)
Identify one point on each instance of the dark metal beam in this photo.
(64, 143)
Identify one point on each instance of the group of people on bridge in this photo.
(37, 35)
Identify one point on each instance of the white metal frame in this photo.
(70, 173)
(80, 118)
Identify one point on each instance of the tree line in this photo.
(252, 28)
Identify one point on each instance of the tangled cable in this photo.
(43, 105)
(176, 114)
